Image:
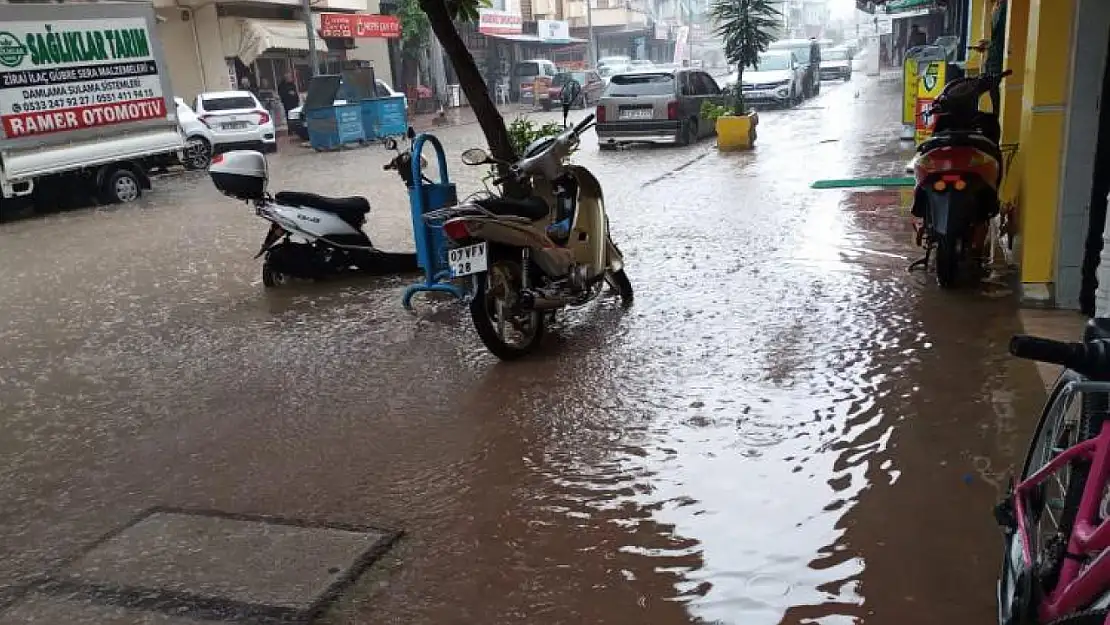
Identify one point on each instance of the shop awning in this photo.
(899, 6)
(536, 39)
(251, 37)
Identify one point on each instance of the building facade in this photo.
(212, 46)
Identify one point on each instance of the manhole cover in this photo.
(229, 567)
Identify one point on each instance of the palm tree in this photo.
(747, 28)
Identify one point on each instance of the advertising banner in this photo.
(357, 25)
(929, 87)
(909, 90)
(553, 30)
(494, 22)
(74, 74)
(681, 45)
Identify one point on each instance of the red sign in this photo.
(359, 25)
(923, 120)
(494, 22)
(60, 120)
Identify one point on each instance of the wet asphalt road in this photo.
(785, 426)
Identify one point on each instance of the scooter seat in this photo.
(532, 207)
(961, 139)
(350, 209)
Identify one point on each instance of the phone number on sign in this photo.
(50, 104)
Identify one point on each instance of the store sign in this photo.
(65, 75)
(553, 30)
(359, 25)
(494, 22)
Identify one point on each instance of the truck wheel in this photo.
(122, 186)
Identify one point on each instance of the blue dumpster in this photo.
(332, 127)
(384, 117)
(331, 122)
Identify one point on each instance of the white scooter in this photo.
(311, 236)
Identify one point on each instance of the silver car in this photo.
(657, 106)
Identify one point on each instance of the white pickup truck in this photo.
(85, 101)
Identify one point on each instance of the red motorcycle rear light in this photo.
(456, 230)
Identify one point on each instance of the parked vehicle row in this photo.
(539, 245)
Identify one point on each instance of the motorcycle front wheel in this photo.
(506, 332)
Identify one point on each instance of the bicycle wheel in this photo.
(1051, 508)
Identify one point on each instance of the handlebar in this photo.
(1091, 358)
(582, 124)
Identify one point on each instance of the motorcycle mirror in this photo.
(568, 96)
(410, 133)
(475, 156)
(390, 143)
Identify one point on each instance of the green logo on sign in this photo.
(12, 51)
(930, 78)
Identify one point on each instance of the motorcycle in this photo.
(527, 257)
(311, 236)
(957, 172)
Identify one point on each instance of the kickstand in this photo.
(922, 263)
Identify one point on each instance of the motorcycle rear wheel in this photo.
(948, 261)
(497, 293)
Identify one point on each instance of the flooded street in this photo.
(785, 427)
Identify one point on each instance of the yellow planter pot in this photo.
(736, 132)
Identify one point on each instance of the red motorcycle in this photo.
(957, 173)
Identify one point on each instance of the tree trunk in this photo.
(470, 79)
(738, 106)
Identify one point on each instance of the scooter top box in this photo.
(242, 174)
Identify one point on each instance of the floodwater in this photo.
(786, 427)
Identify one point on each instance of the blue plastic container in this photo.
(384, 117)
(334, 126)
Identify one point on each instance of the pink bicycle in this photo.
(1056, 565)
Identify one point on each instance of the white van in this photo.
(525, 74)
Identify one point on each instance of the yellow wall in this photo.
(1043, 104)
(1017, 27)
(979, 11)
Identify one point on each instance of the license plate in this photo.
(234, 125)
(464, 261)
(636, 114)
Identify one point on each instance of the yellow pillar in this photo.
(1017, 32)
(979, 12)
(1043, 106)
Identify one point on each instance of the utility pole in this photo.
(310, 30)
(590, 30)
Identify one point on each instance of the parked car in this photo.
(237, 120)
(612, 61)
(199, 138)
(662, 106)
(778, 79)
(525, 74)
(294, 120)
(836, 64)
(592, 86)
(808, 54)
(608, 71)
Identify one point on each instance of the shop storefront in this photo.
(218, 47)
(502, 40)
